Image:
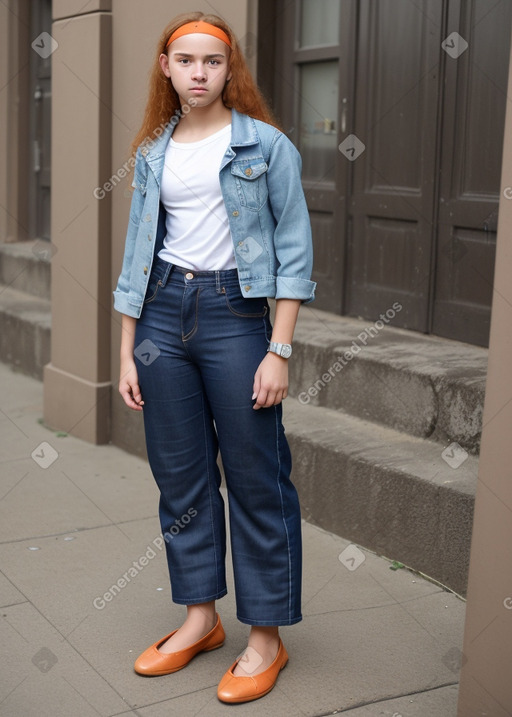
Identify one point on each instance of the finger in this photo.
(270, 399)
(278, 399)
(260, 399)
(128, 398)
(137, 395)
(131, 403)
(256, 386)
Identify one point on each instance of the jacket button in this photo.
(145, 270)
(236, 213)
(149, 237)
(148, 217)
(247, 288)
(240, 243)
(248, 171)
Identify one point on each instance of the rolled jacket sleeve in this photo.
(123, 289)
(292, 237)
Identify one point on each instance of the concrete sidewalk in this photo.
(75, 518)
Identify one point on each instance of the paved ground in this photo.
(75, 518)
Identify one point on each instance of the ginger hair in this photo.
(240, 93)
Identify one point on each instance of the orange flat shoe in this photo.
(152, 662)
(233, 688)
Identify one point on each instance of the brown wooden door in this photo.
(402, 180)
(389, 233)
(315, 61)
(470, 167)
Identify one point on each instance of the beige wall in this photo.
(135, 34)
(485, 684)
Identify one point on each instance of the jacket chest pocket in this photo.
(251, 183)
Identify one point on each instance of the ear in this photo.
(164, 64)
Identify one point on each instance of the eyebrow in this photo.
(186, 54)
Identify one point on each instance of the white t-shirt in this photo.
(198, 235)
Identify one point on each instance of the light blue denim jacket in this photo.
(268, 217)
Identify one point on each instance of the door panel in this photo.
(314, 51)
(473, 124)
(317, 117)
(397, 88)
(407, 209)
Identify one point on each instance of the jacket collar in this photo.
(243, 130)
(243, 133)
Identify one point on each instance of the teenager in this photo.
(218, 224)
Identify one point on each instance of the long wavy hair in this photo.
(240, 93)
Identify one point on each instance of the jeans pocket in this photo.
(245, 308)
(154, 284)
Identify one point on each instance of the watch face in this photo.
(286, 351)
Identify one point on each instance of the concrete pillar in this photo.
(485, 680)
(77, 385)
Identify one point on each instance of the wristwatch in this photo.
(284, 350)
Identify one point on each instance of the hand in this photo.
(129, 385)
(270, 381)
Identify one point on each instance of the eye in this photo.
(214, 62)
(183, 61)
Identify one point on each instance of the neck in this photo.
(201, 118)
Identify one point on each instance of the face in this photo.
(197, 65)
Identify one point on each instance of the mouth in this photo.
(198, 89)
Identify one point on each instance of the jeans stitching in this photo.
(282, 514)
(194, 328)
(259, 315)
(208, 474)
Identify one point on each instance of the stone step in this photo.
(25, 266)
(385, 490)
(425, 385)
(25, 331)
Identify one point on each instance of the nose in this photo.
(198, 72)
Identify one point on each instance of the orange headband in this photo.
(202, 27)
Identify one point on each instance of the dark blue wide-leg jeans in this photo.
(197, 347)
